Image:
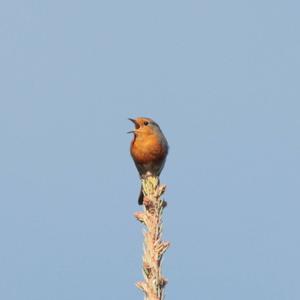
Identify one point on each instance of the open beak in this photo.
(135, 124)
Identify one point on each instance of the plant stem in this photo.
(154, 248)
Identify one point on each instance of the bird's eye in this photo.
(146, 123)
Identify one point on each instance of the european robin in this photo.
(149, 148)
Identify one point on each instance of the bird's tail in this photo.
(141, 197)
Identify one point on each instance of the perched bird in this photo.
(149, 148)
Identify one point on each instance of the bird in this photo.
(149, 149)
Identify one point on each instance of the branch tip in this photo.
(154, 248)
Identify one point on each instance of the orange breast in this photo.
(147, 149)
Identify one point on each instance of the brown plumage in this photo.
(149, 148)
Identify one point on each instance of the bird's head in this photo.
(144, 126)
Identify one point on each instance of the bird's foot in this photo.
(146, 175)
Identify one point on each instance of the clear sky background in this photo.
(222, 80)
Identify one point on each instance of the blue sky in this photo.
(222, 80)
